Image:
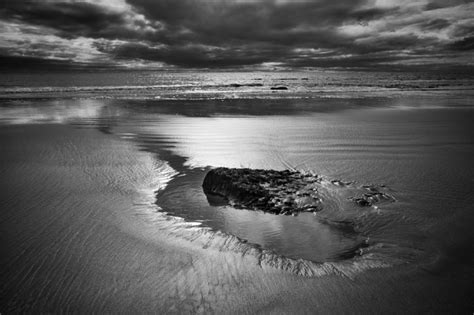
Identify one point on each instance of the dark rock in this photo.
(279, 88)
(277, 192)
(237, 85)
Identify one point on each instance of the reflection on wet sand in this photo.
(84, 232)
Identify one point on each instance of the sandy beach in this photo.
(236, 157)
(84, 231)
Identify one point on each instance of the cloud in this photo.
(434, 24)
(463, 44)
(37, 42)
(438, 4)
(236, 33)
(86, 19)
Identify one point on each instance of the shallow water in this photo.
(82, 231)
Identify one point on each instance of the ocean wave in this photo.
(238, 90)
(47, 89)
(59, 89)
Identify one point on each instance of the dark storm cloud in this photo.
(365, 15)
(436, 24)
(188, 56)
(463, 44)
(234, 33)
(226, 21)
(73, 19)
(275, 14)
(244, 32)
(391, 42)
(439, 4)
(463, 30)
(22, 63)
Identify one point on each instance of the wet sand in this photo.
(78, 235)
(81, 232)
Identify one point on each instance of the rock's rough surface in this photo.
(278, 192)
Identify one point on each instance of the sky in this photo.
(242, 34)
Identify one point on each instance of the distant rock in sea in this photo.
(279, 88)
(237, 85)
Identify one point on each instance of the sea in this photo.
(102, 208)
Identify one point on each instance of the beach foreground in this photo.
(103, 209)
